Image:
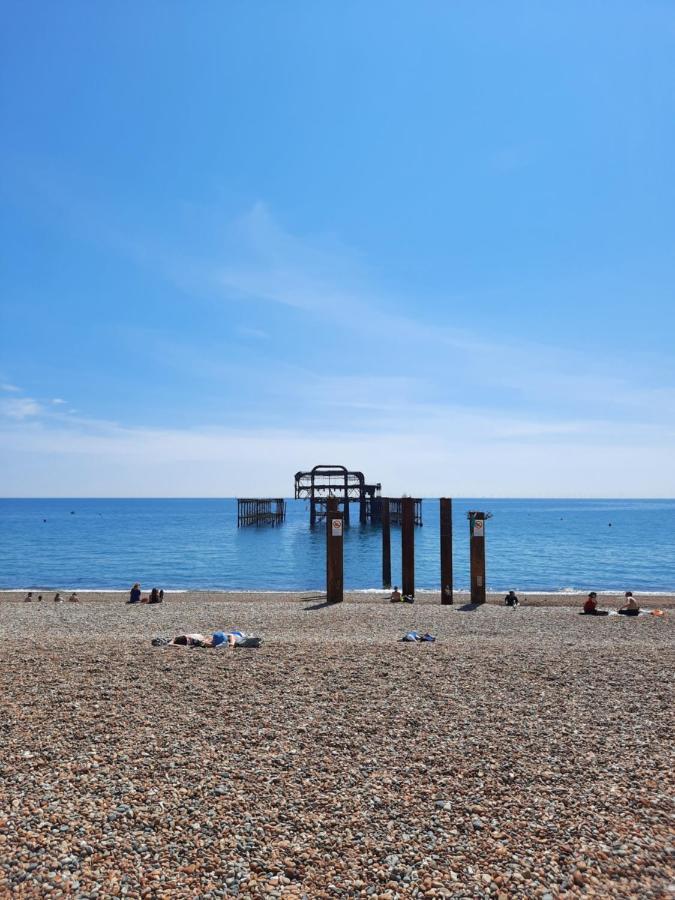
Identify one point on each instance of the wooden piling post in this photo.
(334, 553)
(446, 550)
(386, 544)
(477, 555)
(408, 547)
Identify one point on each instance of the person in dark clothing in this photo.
(154, 596)
(135, 594)
(591, 606)
(511, 600)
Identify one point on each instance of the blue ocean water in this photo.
(547, 545)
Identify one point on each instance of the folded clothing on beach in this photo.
(416, 637)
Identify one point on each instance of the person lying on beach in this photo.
(217, 639)
(415, 636)
(191, 640)
(591, 606)
(231, 638)
(135, 594)
(58, 598)
(28, 598)
(630, 608)
(395, 595)
(154, 596)
(511, 600)
(73, 598)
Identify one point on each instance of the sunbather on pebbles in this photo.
(229, 639)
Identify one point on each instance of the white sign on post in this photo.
(336, 527)
(478, 525)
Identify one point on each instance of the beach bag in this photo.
(251, 642)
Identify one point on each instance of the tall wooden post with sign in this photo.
(408, 546)
(477, 554)
(446, 550)
(386, 544)
(334, 553)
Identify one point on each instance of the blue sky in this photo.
(432, 241)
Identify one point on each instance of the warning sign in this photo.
(336, 527)
(478, 526)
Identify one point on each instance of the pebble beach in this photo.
(526, 753)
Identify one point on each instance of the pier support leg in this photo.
(446, 550)
(386, 545)
(334, 553)
(408, 547)
(312, 513)
(477, 553)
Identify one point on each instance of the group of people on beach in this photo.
(630, 607)
(136, 595)
(57, 598)
(397, 597)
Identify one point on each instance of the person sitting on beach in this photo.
(161, 595)
(591, 606)
(631, 607)
(511, 600)
(73, 598)
(154, 596)
(135, 594)
(39, 598)
(58, 598)
(28, 598)
(395, 595)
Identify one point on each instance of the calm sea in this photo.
(548, 545)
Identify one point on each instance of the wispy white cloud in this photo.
(57, 401)
(470, 455)
(10, 388)
(328, 282)
(20, 408)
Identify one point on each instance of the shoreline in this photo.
(551, 599)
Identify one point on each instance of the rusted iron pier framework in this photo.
(396, 510)
(260, 511)
(325, 483)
